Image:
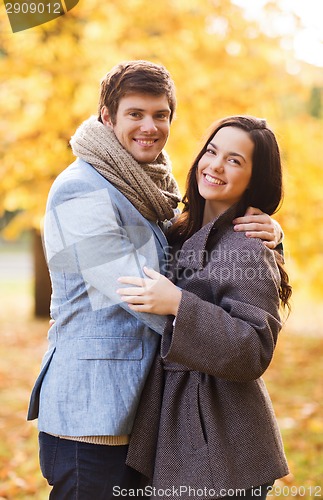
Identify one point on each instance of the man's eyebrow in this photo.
(231, 153)
(131, 108)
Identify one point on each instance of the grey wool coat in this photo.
(205, 425)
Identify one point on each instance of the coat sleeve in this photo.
(84, 234)
(234, 337)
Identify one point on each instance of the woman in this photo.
(217, 433)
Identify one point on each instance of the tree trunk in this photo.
(42, 285)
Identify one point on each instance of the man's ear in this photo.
(105, 116)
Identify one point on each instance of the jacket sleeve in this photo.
(234, 337)
(84, 234)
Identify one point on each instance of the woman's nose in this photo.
(217, 163)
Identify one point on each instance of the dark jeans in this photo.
(83, 471)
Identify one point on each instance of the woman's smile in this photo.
(214, 180)
(224, 170)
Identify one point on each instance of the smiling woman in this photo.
(205, 419)
(224, 171)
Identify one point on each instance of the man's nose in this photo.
(148, 125)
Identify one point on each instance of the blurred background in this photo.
(226, 57)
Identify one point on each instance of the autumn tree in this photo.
(221, 63)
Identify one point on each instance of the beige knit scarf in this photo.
(150, 187)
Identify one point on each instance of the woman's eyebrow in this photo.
(231, 153)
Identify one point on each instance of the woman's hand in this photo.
(259, 225)
(157, 294)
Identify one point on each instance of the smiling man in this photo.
(141, 125)
(104, 217)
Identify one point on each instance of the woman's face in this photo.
(225, 169)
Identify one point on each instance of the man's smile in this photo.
(145, 142)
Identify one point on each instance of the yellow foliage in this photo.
(222, 64)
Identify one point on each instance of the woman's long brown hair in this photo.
(265, 189)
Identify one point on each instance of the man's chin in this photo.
(146, 158)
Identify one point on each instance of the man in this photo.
(104, 217)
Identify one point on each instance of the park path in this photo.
(15, 265)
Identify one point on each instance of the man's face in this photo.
(142, 125)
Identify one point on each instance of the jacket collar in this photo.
(193, 251)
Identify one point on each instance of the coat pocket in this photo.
(118, 348)
(195, 416)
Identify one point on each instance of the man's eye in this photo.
(134, 114)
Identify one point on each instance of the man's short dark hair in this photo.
(129, 77)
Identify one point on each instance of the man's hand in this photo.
(257, 224)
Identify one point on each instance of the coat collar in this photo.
(193, 251)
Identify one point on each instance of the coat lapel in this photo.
(193, 252)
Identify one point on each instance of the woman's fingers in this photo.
(132, 280)
(133, 291)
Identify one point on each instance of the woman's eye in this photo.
(233, 160)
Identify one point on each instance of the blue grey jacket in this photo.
(99, 351)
